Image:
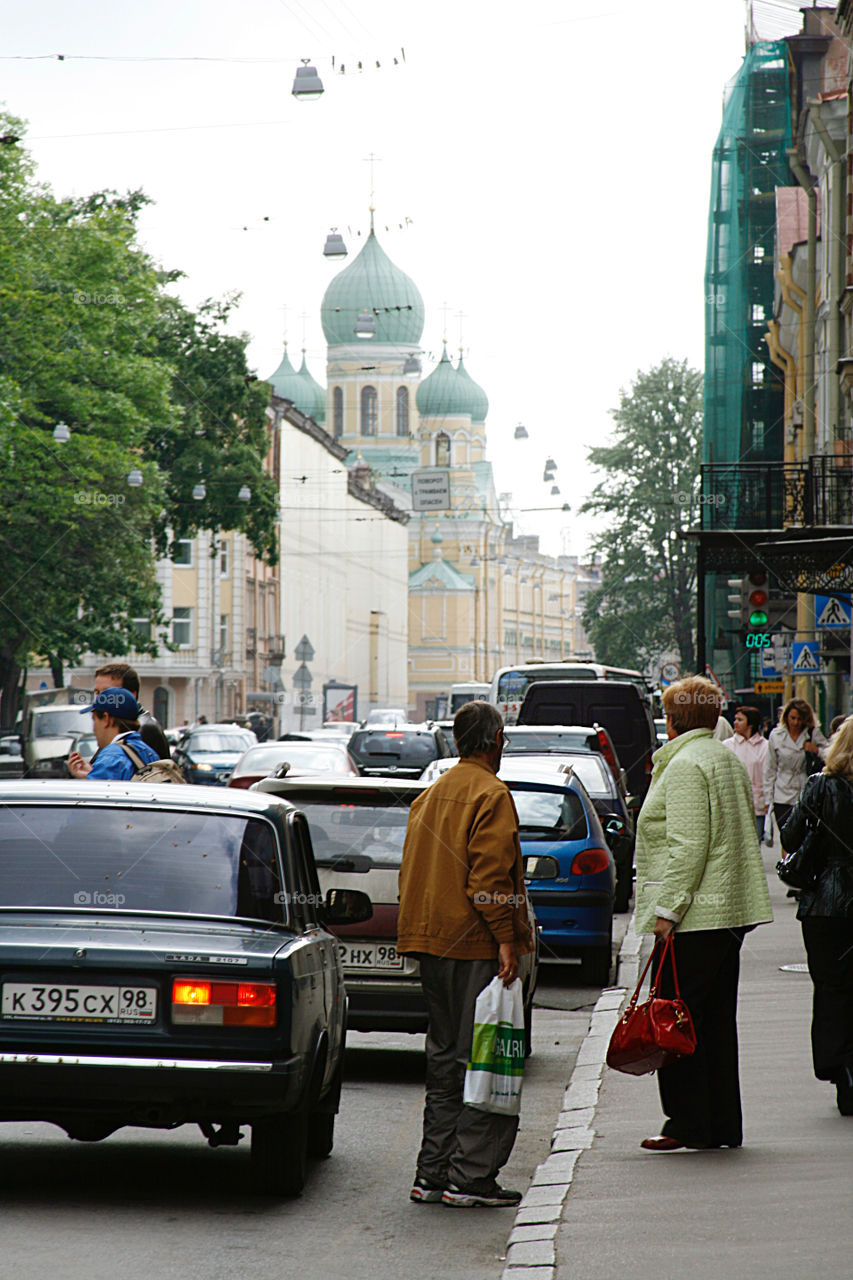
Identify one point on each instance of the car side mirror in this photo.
(538, 866)
(347, 906)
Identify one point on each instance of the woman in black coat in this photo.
(826, 912)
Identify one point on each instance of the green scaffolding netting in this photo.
(743, 392)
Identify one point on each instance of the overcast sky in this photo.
(543, 169)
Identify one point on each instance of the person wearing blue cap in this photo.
(115, 719)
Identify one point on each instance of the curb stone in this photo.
(531, 1245)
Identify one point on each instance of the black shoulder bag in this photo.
(814, 764)
(801, 869)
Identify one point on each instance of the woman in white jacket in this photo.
(789, 745)
(751, 749)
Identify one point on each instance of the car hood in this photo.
(107, 940)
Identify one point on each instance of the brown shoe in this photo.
(662, 1143)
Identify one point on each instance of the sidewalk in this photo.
(779, 1207)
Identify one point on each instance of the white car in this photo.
(437, 767)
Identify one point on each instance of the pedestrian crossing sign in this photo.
(832, 612)
(806, 661)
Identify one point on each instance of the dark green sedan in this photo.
(165, 960)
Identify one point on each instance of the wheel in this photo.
(321, 1133)
(280, 1153)
(528, 1028)
(595, 966)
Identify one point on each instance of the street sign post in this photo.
(769, 686)
(304, 651)
(832, 613)
(431, 489)
(805, 657)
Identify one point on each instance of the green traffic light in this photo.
(758, 618)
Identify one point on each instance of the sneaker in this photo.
(425, 1191)
(495, 1198)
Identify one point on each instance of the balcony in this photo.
(777, 495)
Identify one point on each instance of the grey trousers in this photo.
(460, 1145)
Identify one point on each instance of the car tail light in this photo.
(590, 862)
(198, 1002)
(607, 752)
(648, 766)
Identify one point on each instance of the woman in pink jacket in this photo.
(751, 748)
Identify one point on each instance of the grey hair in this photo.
(475, 728)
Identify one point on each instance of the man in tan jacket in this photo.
(463, 914)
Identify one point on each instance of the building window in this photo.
(223, 633)
(402, 411)
(442, 449)
(182, 626)
(224, 559)
(337, 412)
(369, 411)
(758, 375)
(183, 558)
(161, 704)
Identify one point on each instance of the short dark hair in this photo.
(124, 726)
(475, 728)
(753, 717)
(124, 672)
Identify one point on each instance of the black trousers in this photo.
(829, 947)
(700, 1095)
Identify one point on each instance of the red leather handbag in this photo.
(655, 1033)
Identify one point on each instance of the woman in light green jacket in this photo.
(699, 872)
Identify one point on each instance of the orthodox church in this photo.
(478, 596)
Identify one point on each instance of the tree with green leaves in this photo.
(645, 607)
(91, 337)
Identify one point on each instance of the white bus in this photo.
(467, 691)
(510, 684)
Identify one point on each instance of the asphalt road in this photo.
(162, 1205)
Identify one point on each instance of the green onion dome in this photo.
(313, 389)
(479, 401)
(443, 392)
(372, 283)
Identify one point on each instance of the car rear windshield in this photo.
(593, 773)
(545, 740)
(549, 815)
(406, 748)
(322, 758)
(355, 835)
(130, 859)
(200, 743)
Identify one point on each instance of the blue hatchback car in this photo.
(568, 868)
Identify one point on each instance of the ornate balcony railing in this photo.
(777, 495)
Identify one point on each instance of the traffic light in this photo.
(756, 610)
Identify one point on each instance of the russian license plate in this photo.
(60, 1002)
(370, 955)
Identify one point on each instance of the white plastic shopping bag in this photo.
(496, 1067)
(768, 827)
